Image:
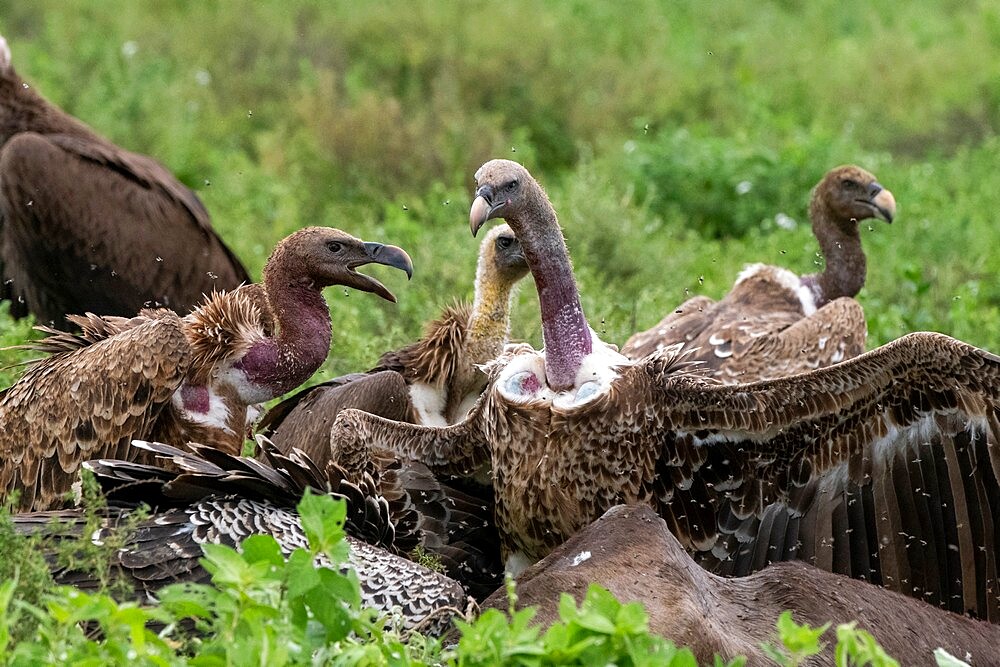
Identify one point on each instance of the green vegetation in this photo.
(671, 137)
(641, 124)
(263, 609)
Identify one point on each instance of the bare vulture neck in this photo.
(304, 333)
(844, 273)
(565, 332)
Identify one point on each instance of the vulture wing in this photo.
(86, 403)
(114, 230)
(884, 467)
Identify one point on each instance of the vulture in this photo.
(774, 323)
(213, 497)
(630, 552)
(86, 226)
(432, 381)
(884, 467)
(177, 379)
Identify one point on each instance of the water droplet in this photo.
(447, 201)
(513, 150)
(207, 182)
(249, 113)
(212, 275)
(25, 86)
(31, 202)
(159, 259)
(645, 128)
(701, 280)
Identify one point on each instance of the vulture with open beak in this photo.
(209, 496)
(86, 226)
(176, 379)
(884, 467)
(774, 323)
(435, 380)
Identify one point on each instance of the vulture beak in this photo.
(390, 255)
(483, 208)
(883, 201)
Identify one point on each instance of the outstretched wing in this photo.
(884, 467)
(680, 325)
(87, 403)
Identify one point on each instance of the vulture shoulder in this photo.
(109, 391)
(115, 230)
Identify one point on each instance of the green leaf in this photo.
(323, 521)
(262, 549)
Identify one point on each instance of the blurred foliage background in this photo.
(678, 140)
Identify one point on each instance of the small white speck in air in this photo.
(130, 48)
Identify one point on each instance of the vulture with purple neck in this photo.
(86, 226)
(630, 552)
(210, 497)
(774, 323)
(435, 380)
(884, 467)
(178, 379)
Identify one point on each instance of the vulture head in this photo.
(852, 194)
(324, 256)
(502, 252)
(503, 190)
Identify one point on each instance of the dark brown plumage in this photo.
(432, 381)
(883, 467)
(630, 552)
(223, 499)
(177, 379)
(86, 226)
(774, 323)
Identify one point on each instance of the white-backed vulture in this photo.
(884, 467)
(173, 379)
(774, 323)
(87, 226)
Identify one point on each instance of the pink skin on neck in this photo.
(284, 362)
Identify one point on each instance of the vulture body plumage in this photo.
(208, 496)
(177, 379)
(884, 467)
(630, 552)
(86, 226)
(774, 323)
(435, 380)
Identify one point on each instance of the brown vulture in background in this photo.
(86, 226)
(774, 323)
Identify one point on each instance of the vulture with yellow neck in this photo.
(435, 380)
(87, 226)
(774, 323)
(176, 379)
(884, 467)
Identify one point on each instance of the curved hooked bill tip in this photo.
(885, 205)
(479, 214)
(388, 255)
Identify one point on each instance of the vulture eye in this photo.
(503, 242)
(849, 183)
(333, 246)
(510, 186)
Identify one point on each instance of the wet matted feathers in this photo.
(774, 323)
(883, 467)
(87, 226)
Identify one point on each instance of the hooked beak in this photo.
(883, 202)
(388, 255)
(483, 208)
